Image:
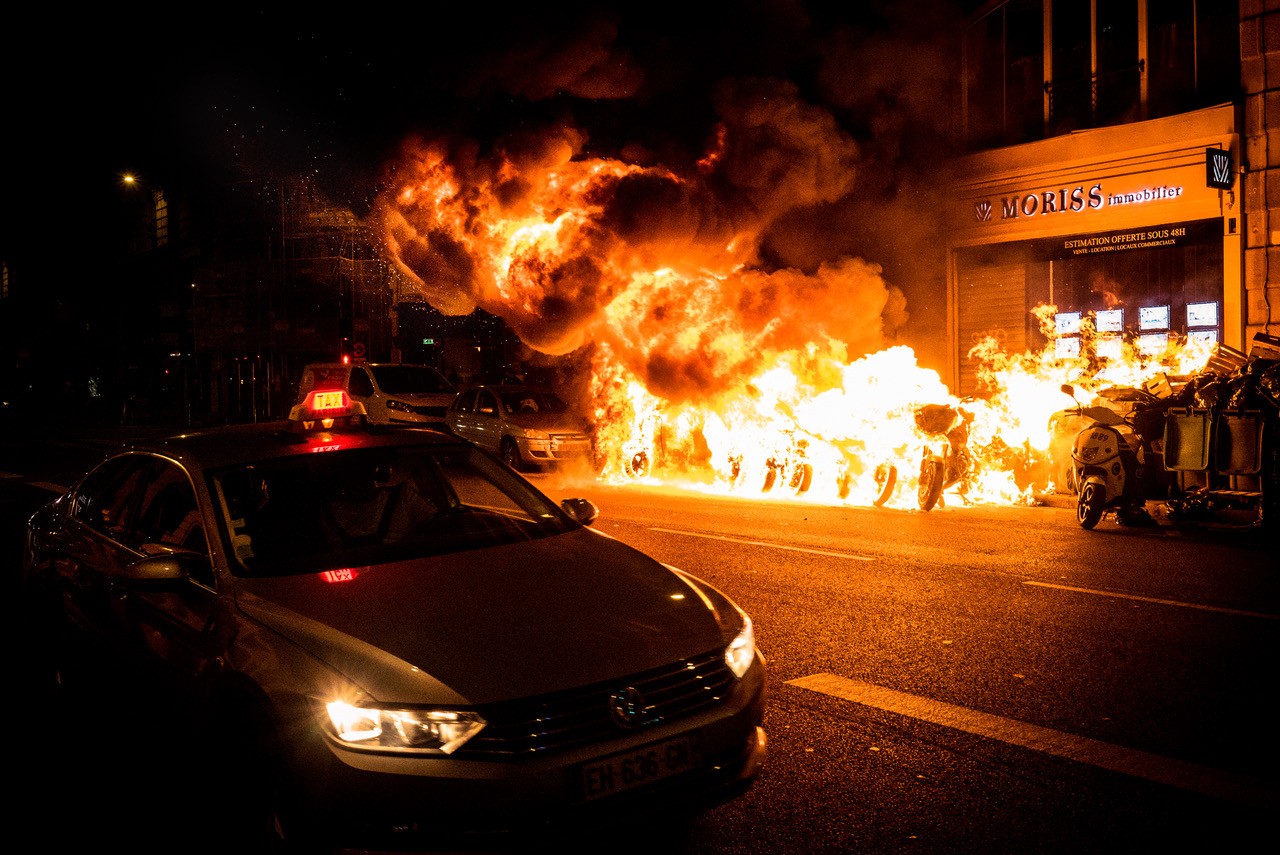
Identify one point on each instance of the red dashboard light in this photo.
(346, 574)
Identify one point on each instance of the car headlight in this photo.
(426, 731)
(398, 406)
(741, 652)
(532, 433)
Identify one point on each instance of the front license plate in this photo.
(623, 772)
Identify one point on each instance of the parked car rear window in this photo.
(411, 379)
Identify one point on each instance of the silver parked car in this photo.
(529, 427)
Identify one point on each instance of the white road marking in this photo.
(1156, 600)
(848, 555)
(1116, 758)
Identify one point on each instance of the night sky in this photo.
(228, 92)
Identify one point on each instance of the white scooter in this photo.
(1107, 467)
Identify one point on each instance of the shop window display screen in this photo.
(1067, 323)
(1151, 344)
(1202, 314)
(1109, 320)
(1153, 318)
(1109, 347)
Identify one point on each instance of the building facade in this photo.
(1118, 172)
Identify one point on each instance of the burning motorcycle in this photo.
(1110, 460)
(946, 461)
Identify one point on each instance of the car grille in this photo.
(565, 719)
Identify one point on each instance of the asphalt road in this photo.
(988, 680)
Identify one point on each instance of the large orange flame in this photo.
(707, 371)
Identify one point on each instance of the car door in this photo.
(173, 622)
(487, 420)
(97, 540)
(460, 417)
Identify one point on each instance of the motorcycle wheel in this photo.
(930, 490)
(1089, 508)
(886, 480)
(638, 465)
(844, 484)
(802, 478)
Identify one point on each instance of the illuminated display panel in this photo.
(1109, 320)
(1153, 318)
(1067, 323)
(1109, 346)
(1152, 343)
(1210, 336)
(1066, 348)
(1202, 314)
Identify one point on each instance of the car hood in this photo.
(492, 624)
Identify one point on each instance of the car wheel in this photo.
(1089, 508)
(930, 489)
(245, 761)
(510, 453)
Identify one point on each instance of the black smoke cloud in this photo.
(825, 122)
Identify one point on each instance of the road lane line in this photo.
(1116, 758)
(848, 555)
(1156, 600)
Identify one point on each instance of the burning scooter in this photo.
(946, 461)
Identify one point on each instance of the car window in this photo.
(486, 403)
(465, 402)
(361, 384)
(169, 516)
(411, 380)
(107, 499)
(532, 401)
(368, 506)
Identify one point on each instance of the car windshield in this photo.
(410, 380)
(531, 401)
(366, 506)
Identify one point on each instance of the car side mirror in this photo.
(166, 572)
(582, 510)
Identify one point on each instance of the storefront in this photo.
(1132, 233)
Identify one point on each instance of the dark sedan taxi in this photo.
(389, 636)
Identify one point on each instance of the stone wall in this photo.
(1260, 162)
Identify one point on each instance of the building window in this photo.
(162, 218)
(1037, 68)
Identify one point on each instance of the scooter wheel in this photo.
(638, 465)
(886, 480)
(801, 478)
(1089, 508)
(930, 490)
